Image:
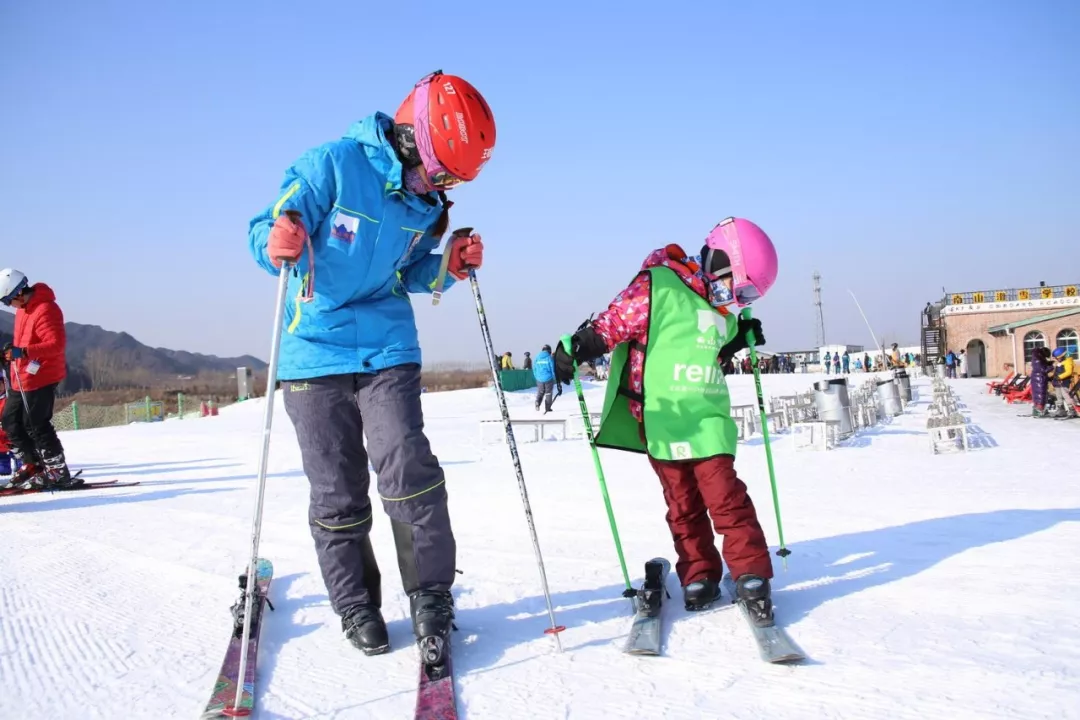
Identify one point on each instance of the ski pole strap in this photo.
(440, 279)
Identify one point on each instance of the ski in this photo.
(645, 631)
(774, 644)
(84, 486)
(435, 699)
(224, 694)
(6, 489)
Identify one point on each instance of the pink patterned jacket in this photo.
(627, 316)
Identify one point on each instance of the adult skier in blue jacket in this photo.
(359, 218)
(544, 373)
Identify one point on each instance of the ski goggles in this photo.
(444, 179)
(720, 294)
(7, 299)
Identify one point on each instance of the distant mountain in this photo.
(97, 357)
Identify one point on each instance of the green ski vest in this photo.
(686, 407)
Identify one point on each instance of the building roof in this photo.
(1033, 320)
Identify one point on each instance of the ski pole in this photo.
(256, 524)
(22, 393)
(555, 629)
(872, 335)
(567, 343)
(783, 552)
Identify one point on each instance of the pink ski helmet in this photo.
(739, 248)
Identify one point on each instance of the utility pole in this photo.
(820, 311)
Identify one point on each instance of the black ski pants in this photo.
(332, 415)
(32, 435)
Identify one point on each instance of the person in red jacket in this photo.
(35, 364)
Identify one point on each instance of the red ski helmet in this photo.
(446, 125)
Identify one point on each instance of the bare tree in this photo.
(102, 367)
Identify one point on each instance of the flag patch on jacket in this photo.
(344, 227)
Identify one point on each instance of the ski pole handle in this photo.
(440, 279)
(297, 219)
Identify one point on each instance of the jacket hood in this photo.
(373, 132)
(42, 294)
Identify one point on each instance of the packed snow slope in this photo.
(919, 586)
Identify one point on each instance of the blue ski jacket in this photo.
(544, 367)
(372, 246)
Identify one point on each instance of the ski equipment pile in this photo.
(224, 695)
(774, 644)
(645, 632)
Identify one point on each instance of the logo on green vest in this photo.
(706, 320)
(681, 451)
(698, 374)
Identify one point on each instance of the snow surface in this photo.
(919, 586)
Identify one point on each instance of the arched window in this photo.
(1068, 339)
(1032, 340)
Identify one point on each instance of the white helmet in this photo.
(12, 282)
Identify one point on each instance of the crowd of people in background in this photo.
(1056, 370)
(543, 370)
(781, 363)
(956, 364)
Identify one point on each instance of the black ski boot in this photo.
(53, 474)
(701, 594)
(756, 593)
(365, 628)
(59, 475)
(433, 619)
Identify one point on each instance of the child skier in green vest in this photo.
(669, 332)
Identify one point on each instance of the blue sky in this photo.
(897, 148)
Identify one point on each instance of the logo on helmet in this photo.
(461, 127)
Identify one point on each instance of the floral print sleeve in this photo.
(627, 317)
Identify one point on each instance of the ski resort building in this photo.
(995, 327)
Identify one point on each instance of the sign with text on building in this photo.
(1027, 303)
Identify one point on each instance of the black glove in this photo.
(9, 352)
(586, 345)
(739, 342)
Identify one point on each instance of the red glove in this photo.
(466, 253)
(287, 238)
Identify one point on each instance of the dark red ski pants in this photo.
(697, 489)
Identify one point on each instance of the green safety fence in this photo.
(81, 416)
(512, 380)
(78, 416)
